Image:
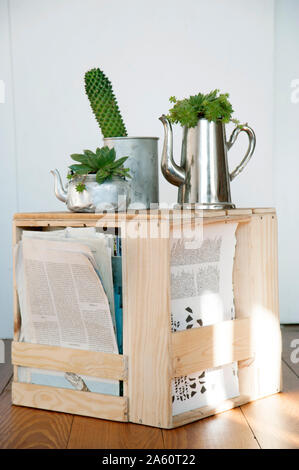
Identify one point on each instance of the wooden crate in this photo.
(152, 354)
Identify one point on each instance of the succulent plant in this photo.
(212, 106)
(103, 103)
(102, 163)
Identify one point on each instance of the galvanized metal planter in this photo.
(144, 168)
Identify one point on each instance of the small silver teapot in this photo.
(111, 196)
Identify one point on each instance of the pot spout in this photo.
(172, 172)
(60, 192)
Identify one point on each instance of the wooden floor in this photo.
(272, 422)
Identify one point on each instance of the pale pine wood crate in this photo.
(152, 354)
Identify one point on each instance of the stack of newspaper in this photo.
(65, 281)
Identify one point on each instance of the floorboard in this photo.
(275, 420)
(26, 428)
(272, 422)
(91, 433)
(227, 430)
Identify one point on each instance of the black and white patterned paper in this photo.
(201, 295)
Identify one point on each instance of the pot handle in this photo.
(251, 146)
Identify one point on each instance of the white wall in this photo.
(286, 151)
(8, 165)
(150, 51)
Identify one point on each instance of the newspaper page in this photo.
(66, 302)
(102, 253)
(63, 304)
(201, 295)
(100, 245)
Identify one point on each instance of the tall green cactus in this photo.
(103, 103)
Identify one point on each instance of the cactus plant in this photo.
(103, 103)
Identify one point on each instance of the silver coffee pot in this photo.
(203, 177)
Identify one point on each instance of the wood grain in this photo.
(133, 213)
(209, 410)
(238, 211)
(25, 428)
(91, 363)
(147, 334)
(263, 210)
(211, 346)
(255, 283)
(227, 430)
(275, 420)
(178, 225)
(16, 237)
(106, 221)
(265, 313)
(70, 401)
(94, 434)
(130, 215)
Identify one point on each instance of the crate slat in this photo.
(94, 405)
(81, 219)
(78, 361)
(147, 328)
(210, 410)
(211, 346)
(255, 280)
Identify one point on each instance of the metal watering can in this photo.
(203, 176)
